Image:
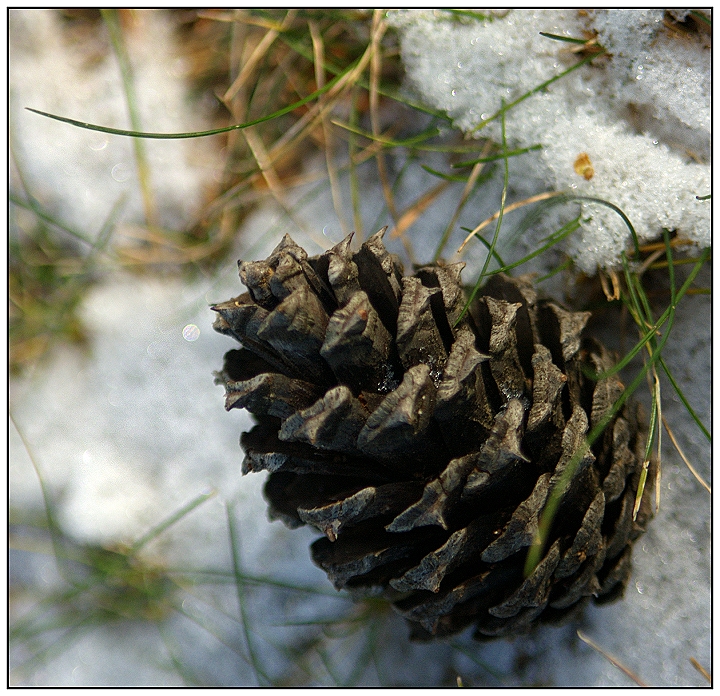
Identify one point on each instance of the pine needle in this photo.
(612, 660)
(693, 471)
(375, 69)
(319, 55)
(413, 212)
(701, 669)
(508, 209)
(471, 182)
(256, 56)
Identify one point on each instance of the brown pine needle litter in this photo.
(693, 471)
(612, 660)
(508, 209)
(701, 669)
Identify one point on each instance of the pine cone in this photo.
(425, 448)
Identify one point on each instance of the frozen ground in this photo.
(125, 437)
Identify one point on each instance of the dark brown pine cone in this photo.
(425, 448)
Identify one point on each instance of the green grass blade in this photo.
(562, 267)
(394, 94)
(112, 22)
(487, 245)
(493, 244)
(644, 301)
(469, 14)
(459, 178)
(33, 206)
(565, 231)
(56, 534)
(260, 675)
(173, 651)
(652, 331)
(212, 629)
(200, 134)
(653, 424)
(175, 517)
(538, 88)
(671, 265)
(548, 514)
(474, 180)
(701, 17)
(685, 402)
(326, 621)
(632, 302)
(353, 171)
(555, 37)
(652, 436)
(612, 206)
(221, 576)
(567, 197)
(106, 231)
(42, 616)
(326, 662)
(494, 158)
(56, 647)
(363, 659)
(413, 142)
(473, 657)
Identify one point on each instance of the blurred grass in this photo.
(246, 66)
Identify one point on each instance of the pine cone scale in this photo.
(424, 447)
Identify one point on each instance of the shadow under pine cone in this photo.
(425, 447)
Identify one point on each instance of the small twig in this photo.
(409, 216)
(613, 660)
(218, 16)
(656, 415)
(701, 669)
(703, 483)
(469, 186)
(319, 56)
(264, 163)
(374, 97)
(588, 45)
(677, 241)
(326, 103)
(650, 260)
(658, 469)
(509, 209)
(260, 50)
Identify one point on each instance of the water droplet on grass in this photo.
(120, 172)
(191, 333)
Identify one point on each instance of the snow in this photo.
(642, 116)
(127, 436)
